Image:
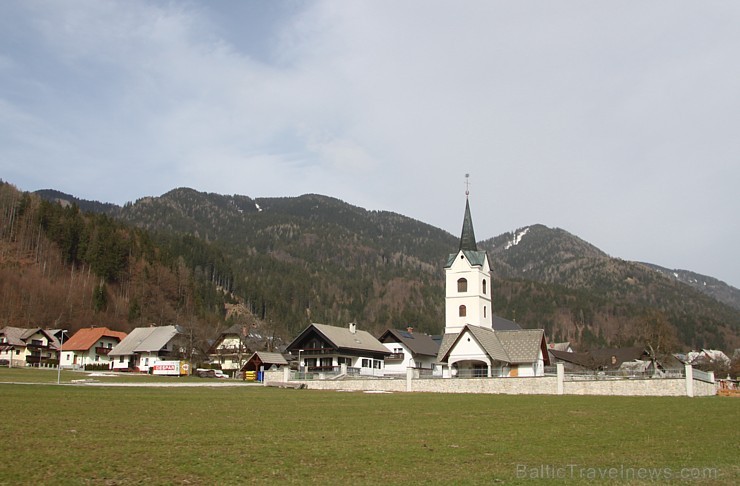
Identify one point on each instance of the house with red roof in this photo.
(90, 346)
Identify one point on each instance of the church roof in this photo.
(514, 347)
(468, 245)
(467, 238)
(476, 258)
(501, 324)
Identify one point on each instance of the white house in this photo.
(326, 348)
(145, 346)
(90, 346)
(472, 345)
(233, 347)
(28, 347)
(408, 350)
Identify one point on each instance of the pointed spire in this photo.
(467, 239)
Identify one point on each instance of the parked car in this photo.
(203, 373)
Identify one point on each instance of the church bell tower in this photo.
(467, 281)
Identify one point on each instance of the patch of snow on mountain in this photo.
(517, 238)
(258, 207)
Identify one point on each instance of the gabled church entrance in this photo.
(470, 369)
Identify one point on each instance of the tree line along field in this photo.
(146, 435)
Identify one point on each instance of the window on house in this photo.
(310, 362)
(326, 362)
(342, 360)
(484, 286)
(315, 344)
(462, 311)
(367, 363)
(484, 311)
(376, 364)
(462, 285)
(398, 350)
(120, 359)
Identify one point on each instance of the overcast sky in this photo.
(617, 121)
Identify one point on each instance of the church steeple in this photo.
(467, 281)
(467, 238)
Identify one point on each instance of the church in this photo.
(476, 343)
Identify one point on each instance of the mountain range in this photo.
(294, 260)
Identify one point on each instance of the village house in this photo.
(471, 345)
(707, 358)
(233, 346)
(90, 346)
(324, 348)
(29, 347)
(408, 350)
(145, 346)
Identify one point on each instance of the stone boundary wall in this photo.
(543, 385)
(667, 387)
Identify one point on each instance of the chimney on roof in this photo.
(410, 329)
(352, 327)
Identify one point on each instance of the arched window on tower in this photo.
(484, 286)
(462, 285)
(485, 311)
(463, 311)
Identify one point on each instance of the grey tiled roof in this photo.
(270, 358)
(501, 324)
(144, 339)
(522, 346)
(493, 346)
(343, 338)
(515, 347)
(14, 335)
(418, 344)
(447, 341)
(17, 336)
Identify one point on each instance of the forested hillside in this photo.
(610, 301)
(314, 258)
(186, 256)
(62, 268)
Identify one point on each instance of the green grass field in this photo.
(104, 435)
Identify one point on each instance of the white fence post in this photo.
(561, 378)
(689, 381)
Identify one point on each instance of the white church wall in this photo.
(476, 302)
